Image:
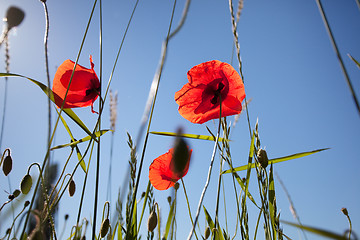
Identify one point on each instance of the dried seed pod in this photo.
(72, 188)
(262, 158)
(207, 232)
(152, 221)
(7, 165)
(104, 227)
(26, 184)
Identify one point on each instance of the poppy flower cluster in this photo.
(83, 90)
(212, 86)
(210, 83)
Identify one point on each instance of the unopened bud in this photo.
(207, 232)
(345, 211)
(72, 188)
(262, 158)
(169, 199)
(176, 186)
(181, 154)
(14, 16)
(26, 203)
(26, 184)
(152, 221)
(104, 227)
(16, 192)
(7, 165)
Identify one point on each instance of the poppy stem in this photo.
(209, 174)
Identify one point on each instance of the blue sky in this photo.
(291, 73)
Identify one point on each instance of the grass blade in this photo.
(87, 138)
(169, 220)
(356, 62)
(50, 94)
(318, 231)
(211, 224)
(193, 136)
(277, 160)
(78, 153)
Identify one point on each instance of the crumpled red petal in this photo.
(199, 99)
(160, 174)
(84, 88)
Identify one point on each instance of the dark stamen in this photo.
(217, 93)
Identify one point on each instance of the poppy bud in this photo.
(66, 217)
(26, 184)
(262, 158)
(169, 199)
(180, 155)
(14, 16)
(152, 221)
(26, 203)
(7, 165)
(345, 211)
(8, 231)
(16, 192)
(11, 197)
(72, 188)
(207, 232)
(176, 186)
(104, 227)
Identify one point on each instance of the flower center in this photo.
(217, 93)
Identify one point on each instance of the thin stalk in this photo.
(209, 175)
(98, 127)
(57, 121)
(342, 65)
(7, 57)
(188, 205)
(155, 84)
(46, 38)
(237, 44)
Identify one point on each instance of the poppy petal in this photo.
(161, 174)
(84, 87)
(199, 99)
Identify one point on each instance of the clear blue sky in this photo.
(290, 71)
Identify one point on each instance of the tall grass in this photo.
(125, 220)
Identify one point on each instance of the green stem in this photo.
(209, 174)
(98, 127)
(155, 83)
(188, 205)
(342, 65)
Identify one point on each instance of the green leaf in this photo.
(87, 138)
(277, 160)
(50, 94)
(169, 220)
(119, 232)
(356, 62)
(78, 153)
(318, 231)
(211, 224)
(194, 136)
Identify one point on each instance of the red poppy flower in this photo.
(84, 88)
(199, 99)
(162, 173)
